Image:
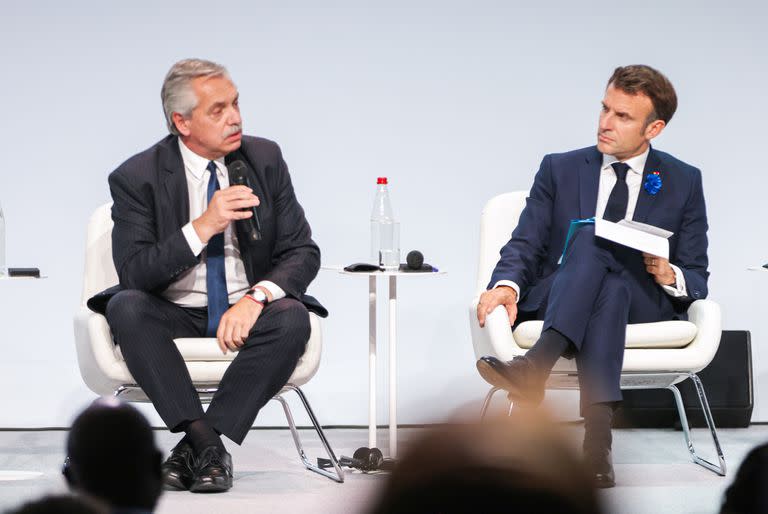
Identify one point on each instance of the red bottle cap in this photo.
(381, 180)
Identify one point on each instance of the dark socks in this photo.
(597, 427)
(550, 347)
(201, 435)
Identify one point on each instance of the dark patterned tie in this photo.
(616, 208)
(216, 279)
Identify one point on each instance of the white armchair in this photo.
(657, 356)
(104, 370)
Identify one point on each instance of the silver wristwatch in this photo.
(259, 295)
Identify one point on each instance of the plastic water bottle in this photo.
(3, 270)
(385, 231)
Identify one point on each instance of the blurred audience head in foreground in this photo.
(112, 456)
(518, 464)
(62, 504)
(747, 493)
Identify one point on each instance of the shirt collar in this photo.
(197, 164)
(636, 164)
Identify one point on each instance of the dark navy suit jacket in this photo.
(151, 205)
(565, 188)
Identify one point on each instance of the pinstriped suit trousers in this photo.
(145, 325)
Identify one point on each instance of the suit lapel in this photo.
(646, 201)
(175, 183)
(589, 181)
(253, 176)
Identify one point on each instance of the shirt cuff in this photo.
(511, 284)
(276, 291)
(193, 240)
(678, 290)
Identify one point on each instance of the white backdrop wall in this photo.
(453, 101)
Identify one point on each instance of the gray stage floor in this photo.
(654, 473)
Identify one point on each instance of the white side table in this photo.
(12, 475)
(392, 337)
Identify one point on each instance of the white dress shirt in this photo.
(634, 182)
(190, 289)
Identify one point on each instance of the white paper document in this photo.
(646, 238)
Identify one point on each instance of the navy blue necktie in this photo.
(616, 208)
(216, 279)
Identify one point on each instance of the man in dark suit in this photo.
(189, 266)
(587, 300)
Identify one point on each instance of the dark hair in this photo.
(639, 78)
(61, 505)
(113, 457)
(521, 462)
(746, 493)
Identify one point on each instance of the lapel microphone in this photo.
(238, 176)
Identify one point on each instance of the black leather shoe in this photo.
(519, 377)
(179, 468)
(213, 473)
(601, 468)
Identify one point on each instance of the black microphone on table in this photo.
(414, 261)
(238, 176)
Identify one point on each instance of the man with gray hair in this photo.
(189, 266)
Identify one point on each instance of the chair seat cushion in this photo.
(195, 349)
(662, 334)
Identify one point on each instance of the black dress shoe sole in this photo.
(497, 379)
(173, 483)
(211, 487)
(492, 376)
(604, 483)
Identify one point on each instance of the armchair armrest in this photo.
(496, 337)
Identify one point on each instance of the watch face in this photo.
(259, 295)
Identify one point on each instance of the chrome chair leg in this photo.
(487, 402)
(339, 475)
(719, 469)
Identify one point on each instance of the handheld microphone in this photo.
(238, 176)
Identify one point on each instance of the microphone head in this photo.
(414, 259)
(237, 173)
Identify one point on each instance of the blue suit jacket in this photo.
(565, 188)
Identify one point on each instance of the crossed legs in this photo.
(588, 308)
(145, 326)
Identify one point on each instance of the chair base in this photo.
(338, 476)
(133, 393)
(569, 381)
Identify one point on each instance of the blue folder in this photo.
(575, 225)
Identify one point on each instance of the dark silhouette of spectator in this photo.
(112, 456)
(520, 464)
(62, 505)
(747, 493)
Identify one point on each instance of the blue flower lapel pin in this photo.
(652, 183)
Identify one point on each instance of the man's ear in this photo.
(181, 123)
(654, 128)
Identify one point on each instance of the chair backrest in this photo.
(100, 270)
(497, 221)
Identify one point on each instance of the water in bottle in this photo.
(385, 231)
